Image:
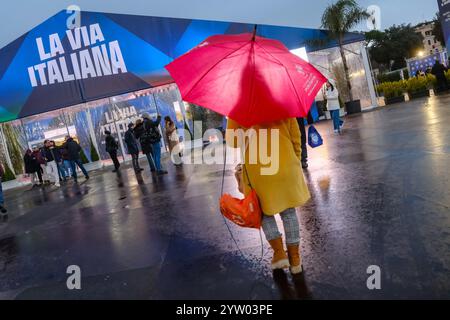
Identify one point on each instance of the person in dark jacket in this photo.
(112, 147)
(132, 147)
(301, 125)
(151, 130)
(2, 199)
(73, 153)
(32, 167)
(146, 145)
(438, 71)
(50, 156)
(66, 162)
(59, 161)
(37, 153)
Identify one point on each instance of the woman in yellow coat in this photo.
(272, 154)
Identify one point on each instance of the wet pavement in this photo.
(380, 196)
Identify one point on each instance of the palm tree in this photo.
(339, 18)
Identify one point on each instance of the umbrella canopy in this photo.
(252, 80)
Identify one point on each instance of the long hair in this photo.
(168, 119)
(332, 87)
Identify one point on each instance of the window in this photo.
(429, 42)
(427, 33)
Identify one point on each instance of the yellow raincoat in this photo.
(277, 178)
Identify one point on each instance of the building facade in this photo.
(430, 43)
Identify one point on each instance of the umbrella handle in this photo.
(254, 32)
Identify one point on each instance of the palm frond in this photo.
(342, 16)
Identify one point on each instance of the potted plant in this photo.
(84, 159)
(9, 178)
(9, 175)
(418, 87)
(95, 162)
(321, 108)
(340, 18)
(95, 158)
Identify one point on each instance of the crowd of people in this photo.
(144, 135)
(54, 164)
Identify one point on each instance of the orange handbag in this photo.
(243, 212)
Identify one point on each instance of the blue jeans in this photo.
(2, 200)
(74, 169)
(157, 155)
(337, 122)
(62, 170)
(150, 160)
(67, 167)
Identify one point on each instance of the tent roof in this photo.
(146, 43)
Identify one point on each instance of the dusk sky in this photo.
(19, 16)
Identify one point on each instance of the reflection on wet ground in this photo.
(379, 197)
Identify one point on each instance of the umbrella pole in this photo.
(254, 32)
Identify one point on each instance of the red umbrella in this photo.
(252, 80)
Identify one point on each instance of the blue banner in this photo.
(422, 64)
(444, 11)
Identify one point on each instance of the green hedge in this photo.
(9, 175)
(84, 159)
(94, 154)
(394, 89)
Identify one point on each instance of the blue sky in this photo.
(19, 16)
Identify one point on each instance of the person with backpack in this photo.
(146, 145)
(151, 130)
(73, 153)
(112, 147)
(2, 199)
(66, 162)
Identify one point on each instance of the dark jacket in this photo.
(39, 157)
(150, 125)
(31, 163)
(438, 70)
(139, 131)
(150, 134)
(64, 154)
(131, 142)
(47, 154)
(73, 149)
(110, 144)
(52, 154)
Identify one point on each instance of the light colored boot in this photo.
(295, 259)
(280, 259)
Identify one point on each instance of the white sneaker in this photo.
(336, 131)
